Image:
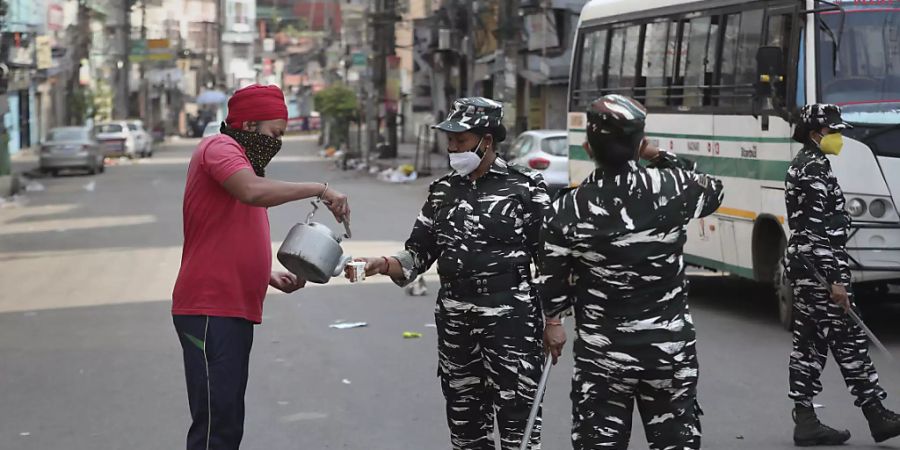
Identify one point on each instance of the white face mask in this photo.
(464, 163)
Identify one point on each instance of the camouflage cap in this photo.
(616, 114)
(822, 115)
(471, 113)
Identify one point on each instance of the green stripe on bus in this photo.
(709, 137)
(753, 169)
(718, 265)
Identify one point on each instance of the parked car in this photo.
(143, 141)
(546, 151)
(211, 128)
(122, 138)
(71, 148)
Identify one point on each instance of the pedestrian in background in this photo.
(820, 228)
(226, 262)
(481, 224)
(613, 251)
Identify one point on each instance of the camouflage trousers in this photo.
(490, 362)
(661, 378)
(820, 324)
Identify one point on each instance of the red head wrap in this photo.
(256, 103)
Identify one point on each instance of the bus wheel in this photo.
(785, 295)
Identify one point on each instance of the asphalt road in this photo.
(89, 358)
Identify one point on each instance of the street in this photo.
(89, 359)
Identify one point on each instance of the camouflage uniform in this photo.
(820, 228)
(484, 234)
(613, 252)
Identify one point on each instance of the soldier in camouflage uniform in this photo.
(613, 252)
(481, 224)
(819, 230)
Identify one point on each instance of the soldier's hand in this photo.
(839, 295)
(374, 266)
(554, 339)
(648, 152)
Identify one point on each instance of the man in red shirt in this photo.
(226, 263)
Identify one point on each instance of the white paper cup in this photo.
(359, 271)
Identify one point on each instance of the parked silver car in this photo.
(546, 151)
(71, 148)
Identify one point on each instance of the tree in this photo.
(338, 105)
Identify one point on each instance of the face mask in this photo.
(464, 163)
(260, 148)
(832, 143)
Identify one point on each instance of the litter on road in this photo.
(411, 335)
(345, 381)
(344, 326)
(34, 186)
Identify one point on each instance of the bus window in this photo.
(614, 64)
(725, 93)
(654, 62)
(745, 67)
(629, 59)
(778, 34)
(593, 53)
(695, 62)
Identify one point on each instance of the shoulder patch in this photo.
(440, 180)
(528, 172)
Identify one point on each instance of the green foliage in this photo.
(81, 106)
(336, 101)
(338, 105)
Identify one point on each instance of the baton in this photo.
(825, 284)
(542, 386)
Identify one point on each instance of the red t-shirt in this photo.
(227, 255)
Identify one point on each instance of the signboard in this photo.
(55, 17)
(44, 52)
(422, 100)
(359, 59)
(541, 31)
(392, 84)
(485, 40)
(151, 50)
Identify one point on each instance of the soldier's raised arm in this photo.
(702, 193)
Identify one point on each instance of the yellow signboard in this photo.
(44, 52)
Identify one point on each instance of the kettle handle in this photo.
(309, 217)
(346, 221)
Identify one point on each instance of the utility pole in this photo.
(81, 43)
(509, 11)
(384, 42)
(220, 24)
(390, 51)
(145, 91)
(123, 66)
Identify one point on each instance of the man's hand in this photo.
(554, 338)
(839, 295)
(374, 266)
(337, 203)
(648, 152)
(286, 282)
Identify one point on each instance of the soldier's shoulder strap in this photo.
(440, 181)
(533, 175)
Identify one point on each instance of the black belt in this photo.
(486, 285)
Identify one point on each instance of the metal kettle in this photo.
(313, 252)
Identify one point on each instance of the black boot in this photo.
(808, 431)
(883, 422)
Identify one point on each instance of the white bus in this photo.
(723, 80)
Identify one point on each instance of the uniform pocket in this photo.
(501, 228)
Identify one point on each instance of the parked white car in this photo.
(124, 138)
(211, 129)
(143, 140)
(546, 151)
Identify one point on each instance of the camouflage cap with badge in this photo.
(477, 114)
